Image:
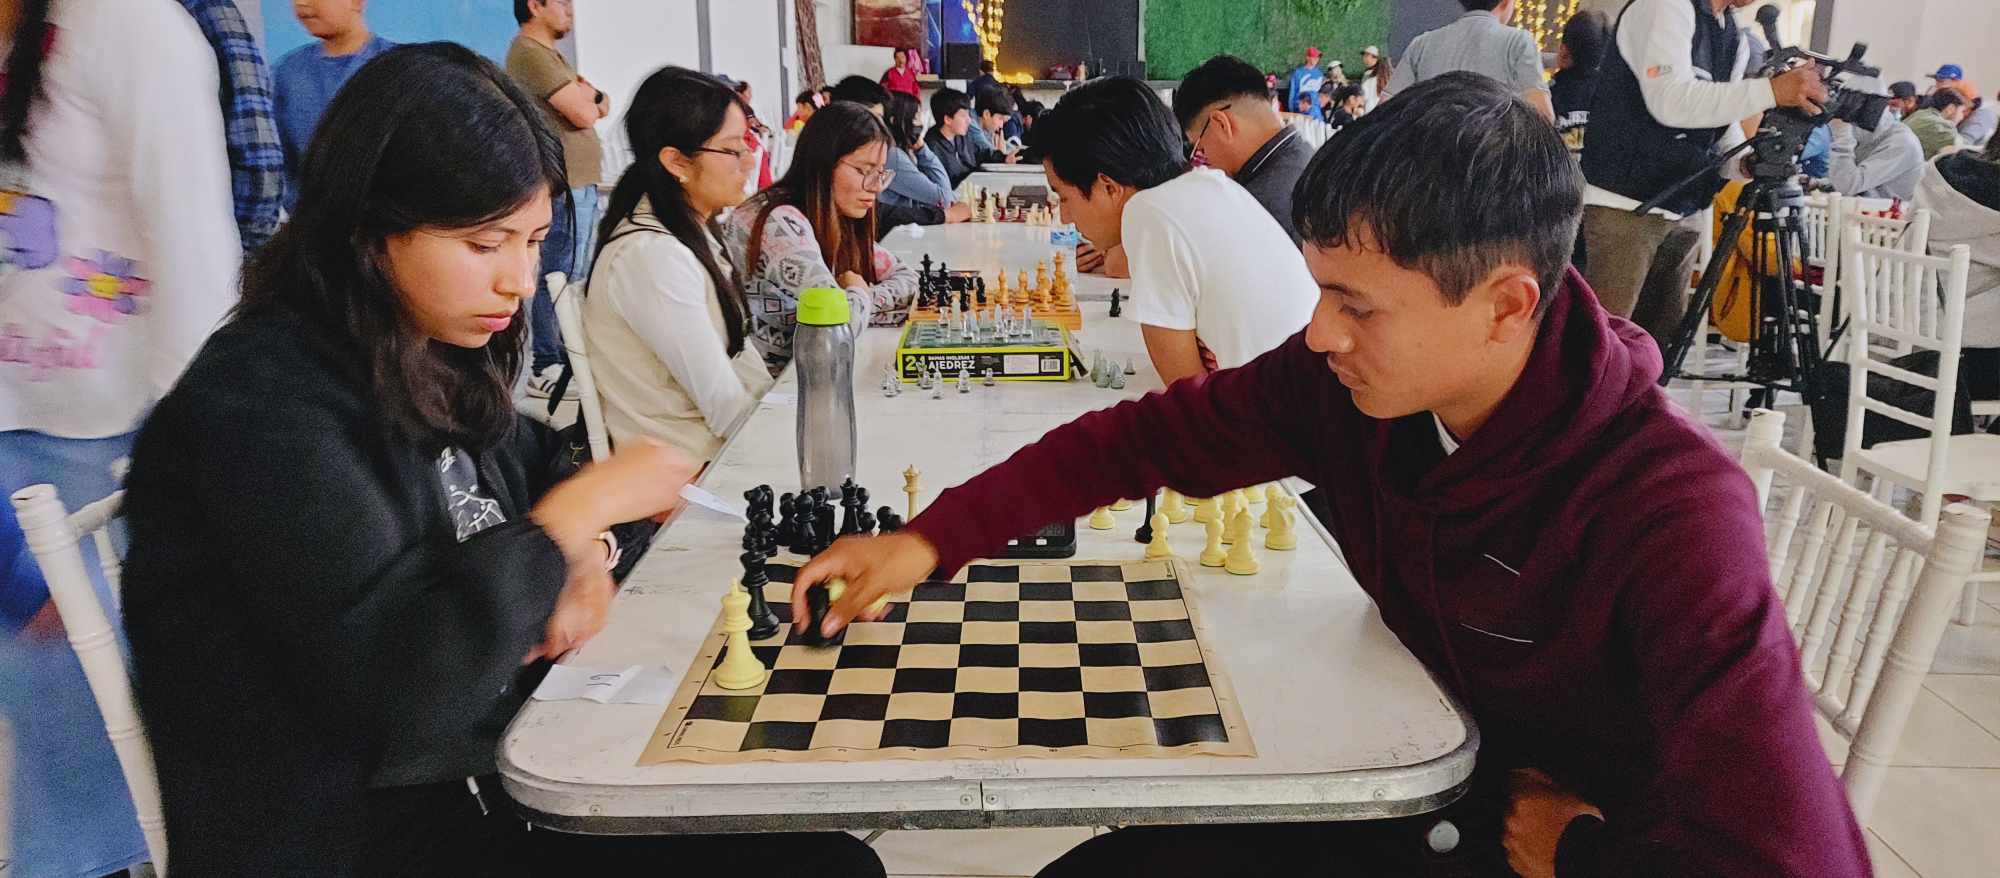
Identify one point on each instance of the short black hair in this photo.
(1480, 5)
(861, 90)
(521, 14)
(804, 99)
(946, 102)
(1217, 79)
(1342, 93)
(1453, 177)
(1588, 36)
(995, 101)
(986, 65)
(1115, 126)
(1944, 99)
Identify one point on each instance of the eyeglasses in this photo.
(1195, 145)
(743, 156)
(874, 181)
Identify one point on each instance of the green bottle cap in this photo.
(823, 306)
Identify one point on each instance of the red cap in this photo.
(1312, 51)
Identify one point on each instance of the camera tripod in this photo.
(1784, 324)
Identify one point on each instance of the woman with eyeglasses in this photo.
(815, 227)
(667, 322)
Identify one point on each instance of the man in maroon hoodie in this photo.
(1581, 566)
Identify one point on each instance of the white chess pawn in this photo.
(740, 668)
(1101, 519)
(1120, 505)
(1271, 495)
(1157, 547)
(1207, 509)
(1212, 554)
(1229, 504)
(1241, 560)
(1176, 509)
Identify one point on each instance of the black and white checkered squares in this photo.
(1045, 659)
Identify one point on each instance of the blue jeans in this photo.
(567, 249)
(73, 817)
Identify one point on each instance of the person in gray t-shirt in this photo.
(1480, 41)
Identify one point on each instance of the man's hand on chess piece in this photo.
(874, 567)
(958, 213)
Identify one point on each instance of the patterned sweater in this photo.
(790, 263)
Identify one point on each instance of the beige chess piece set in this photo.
(1227, 519)
(989, 206)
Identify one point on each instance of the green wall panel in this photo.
(1272, 34)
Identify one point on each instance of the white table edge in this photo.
(1398, 791)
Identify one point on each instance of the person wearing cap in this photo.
(1480, 41)
(1305, 80)
(1335, 73)
(1375, 78)
(1937, 123)
(1947, 74)
(1903, 98)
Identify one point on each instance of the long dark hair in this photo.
(428, 135)
(680, 108)
(901, 117)
(829, 136)
(23, 85)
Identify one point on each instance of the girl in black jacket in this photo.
(346, 546)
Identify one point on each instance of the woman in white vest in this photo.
(665, 318)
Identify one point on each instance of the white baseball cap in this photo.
(1371, 50)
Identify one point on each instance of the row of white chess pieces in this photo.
(1227, 521)
(995, 323)
(989, 206)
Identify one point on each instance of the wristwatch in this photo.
(611, 550)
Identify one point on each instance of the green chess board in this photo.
(925, 345)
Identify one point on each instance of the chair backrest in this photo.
(53, 536)
(1820, 225)
(1903, 301)
(1867, 594)
(569, 314)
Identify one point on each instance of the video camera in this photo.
(1778, 156)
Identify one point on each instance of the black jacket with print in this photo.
(310, 642)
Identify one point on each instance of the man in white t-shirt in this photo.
(1215, 280)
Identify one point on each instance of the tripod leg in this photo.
(1711, 276)
(1802, 332)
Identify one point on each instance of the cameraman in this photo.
(1669, 98)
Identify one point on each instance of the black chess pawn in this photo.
(979, 290)
(818, 601)
(763, 622)
(864, 522)
(787, 532)
(825, 532)
(1117, 304)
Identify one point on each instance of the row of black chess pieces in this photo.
(942, 289)
(806, 528)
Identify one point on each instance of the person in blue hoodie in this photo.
(1305, 80)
